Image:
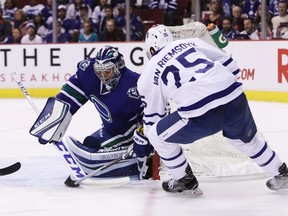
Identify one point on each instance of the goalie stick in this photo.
(60, 146)
(77, 172)
(10, 169)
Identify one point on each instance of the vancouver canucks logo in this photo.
(133, 93)
(102, 109)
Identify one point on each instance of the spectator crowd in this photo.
(105, 20)
(242, 19)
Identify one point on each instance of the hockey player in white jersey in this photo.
(201, 81)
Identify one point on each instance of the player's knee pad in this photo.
(158, 142)
(89, 159)
(153, 137)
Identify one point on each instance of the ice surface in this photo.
(38, 189)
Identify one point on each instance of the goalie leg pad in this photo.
(89, 160)
(52, 122)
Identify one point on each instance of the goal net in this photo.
(213, 157)
(192, 30)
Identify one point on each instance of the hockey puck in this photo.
(71, 183)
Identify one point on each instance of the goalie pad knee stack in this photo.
(90, 159)
(52, 122)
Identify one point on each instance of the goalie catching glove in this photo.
(52, 122)
(142, 149)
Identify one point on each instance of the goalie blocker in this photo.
(52, 122)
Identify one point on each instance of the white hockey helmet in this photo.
(156, 38)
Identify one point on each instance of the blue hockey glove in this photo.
(141, 146)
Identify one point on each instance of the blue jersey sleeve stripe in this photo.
(154, 114)
(74, 93)
(236, 71)
(227, 62)
(148, 123)
(211, 98)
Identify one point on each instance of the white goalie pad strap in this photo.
(52, 122)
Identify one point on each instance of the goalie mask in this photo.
(107, 66)
(156, 38)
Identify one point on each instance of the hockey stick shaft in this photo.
(60, 146)
(26, 94)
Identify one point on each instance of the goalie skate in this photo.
(188, 184)
(279, 182)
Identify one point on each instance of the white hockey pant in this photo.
(172, 155)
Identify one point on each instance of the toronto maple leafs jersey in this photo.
(191, 74)
(120, 109)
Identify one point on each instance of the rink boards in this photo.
(44, 68)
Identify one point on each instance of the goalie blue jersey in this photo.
(120, 109)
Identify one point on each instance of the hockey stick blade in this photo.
(10, 169)
(98, 182)
(71, 183)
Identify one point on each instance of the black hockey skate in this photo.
(279, 182)
(187, 183)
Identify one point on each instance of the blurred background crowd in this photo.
(30, 21)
